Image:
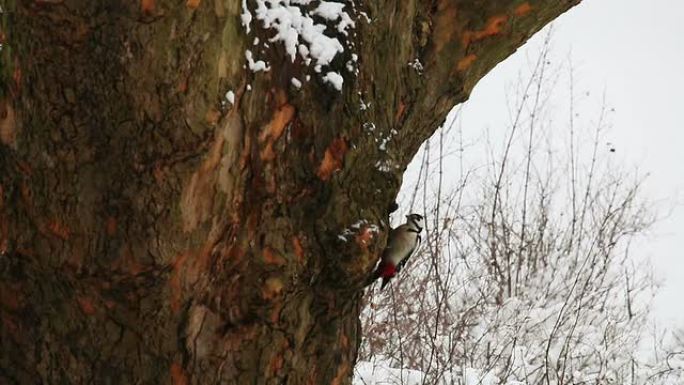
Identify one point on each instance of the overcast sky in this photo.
(634, 51)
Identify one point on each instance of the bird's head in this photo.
(415, 220)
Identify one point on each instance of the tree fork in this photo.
(150, 233)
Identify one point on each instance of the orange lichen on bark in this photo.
(58, 229)
(10, 296)
(465, 62)
(128, 262)
(81, 32)
(27, 196)
(235, 253)
(16, 76)
(86, 305)
(344, 341)
(158, 172)
(178, 376)
(313, 373)
(75, 259)
(215, 154)
(192, 3)
(245, 154)
(276, 363)
(299, 130)
(25, 168)
(4, 226)
(204, 257)
(197, 199)
(282, 116)
(400, 111)
(272, 288)
(8, 132)
(280, 120)
(523, 9)
(175, 281)
(110, 226)
(25, 252)
(443, 25)
(332, 159)
(492, 27)
(4, 236)
(212, 116)
(147, 6)
(364, 237)
(182, 85)
(275, 313)
(272, 257)
(10, 324)
(267, 154)
(252, 224)
(298, 249)
(342, 372)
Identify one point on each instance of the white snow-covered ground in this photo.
(381, 373)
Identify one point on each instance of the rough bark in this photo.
(150, 234)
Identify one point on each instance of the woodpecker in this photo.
(401, 242)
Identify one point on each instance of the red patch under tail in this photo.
(388, 270)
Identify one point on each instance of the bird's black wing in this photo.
(386, 280)
(379, 267)
(401, 264)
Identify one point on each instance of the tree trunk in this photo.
(153, 232)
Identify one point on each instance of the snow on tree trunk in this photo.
(189, 195)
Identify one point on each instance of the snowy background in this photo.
(625, 56)
(634, 51)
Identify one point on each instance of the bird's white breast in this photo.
(401, 243)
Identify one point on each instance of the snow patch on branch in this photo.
(333, 11)
(352, 230)
(255, 66)
(363, 106)
(301, 35)
(246, 17)
(385, 165)
(335, 79)
(229, 97)
(385, 140)
(416, 65)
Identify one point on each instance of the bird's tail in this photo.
(385, 281)
(376, 274)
